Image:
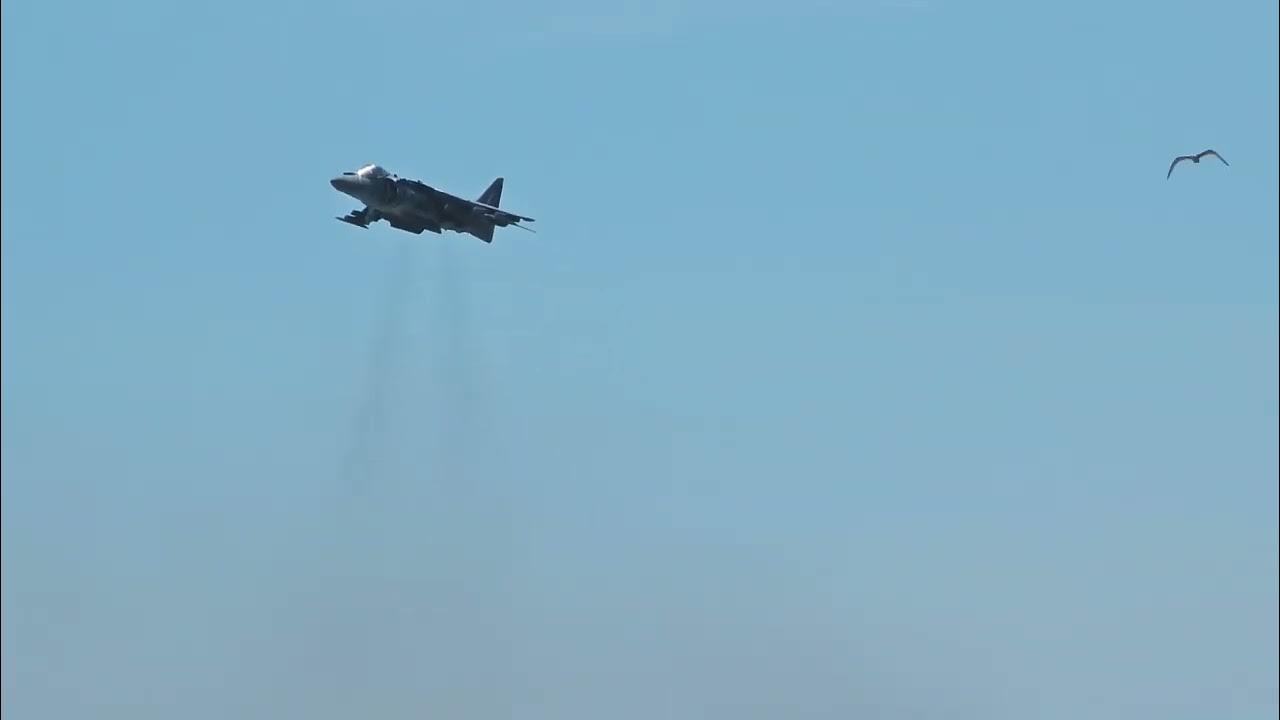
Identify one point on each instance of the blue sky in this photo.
(865, 362)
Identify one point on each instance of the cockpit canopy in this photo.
(373, 171)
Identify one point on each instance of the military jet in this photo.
(414, 206)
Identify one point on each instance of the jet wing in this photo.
(361, 218)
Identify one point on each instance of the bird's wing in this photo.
(1215, 154)
(1176, 160)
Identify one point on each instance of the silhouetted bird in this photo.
(1195, 159)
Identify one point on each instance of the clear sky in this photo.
(865, 363)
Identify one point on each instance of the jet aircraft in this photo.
(414, 206)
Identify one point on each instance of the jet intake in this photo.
(389, 190)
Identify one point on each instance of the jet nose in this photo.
(347, 183)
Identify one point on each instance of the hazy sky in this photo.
(865, 363)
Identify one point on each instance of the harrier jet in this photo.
(414, 206)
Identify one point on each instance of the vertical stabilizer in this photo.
(493, 195)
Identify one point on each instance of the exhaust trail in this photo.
(366, 455)
(416, 569)
(456, 363)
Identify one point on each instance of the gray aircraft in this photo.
(414, 206)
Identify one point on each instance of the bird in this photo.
(1195, 159)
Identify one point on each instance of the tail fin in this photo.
(493, 195)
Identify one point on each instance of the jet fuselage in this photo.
(414, 206)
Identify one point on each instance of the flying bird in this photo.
(1195, 159)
